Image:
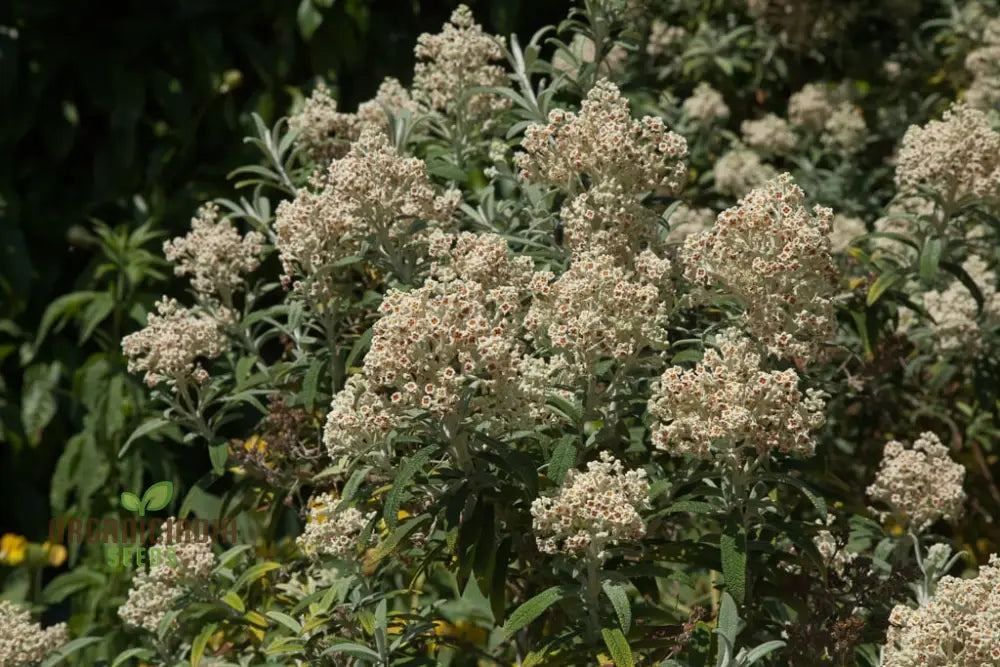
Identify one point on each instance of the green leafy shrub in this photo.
(668, 338)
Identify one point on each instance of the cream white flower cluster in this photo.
(771, 134)
(608, 218)
(920, 484)
(774, 257)
(740, 170)
(597, 309)
(24, 642)
(371, 194)
(845, 230)
(664, 38)
(332, 532)
(812, 107)
(214, 254)
(153, 592)
(593, 510)
(169, 347)
(835, 555)
(320, 129)
(958, 627)
(845, 131)
(957, 156)
(604, 143)
(706, 105)
(459, 58)
(728, 402)
(958, 323)
(461, 331)
(685, 221)
(326, 133)
(983, 63)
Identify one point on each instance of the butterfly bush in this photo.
(705, 105)
(957, 627)
(330, 531)
(740, 170)
(215, 255)
(921, 484)
(153, 591)
(604, 143)
(24, 642)
(169, 348)
(728, 402)
(774, 257)
(495, 362)
(769, 134)
(957, 321)
(371, 195)
(957, 156)
(593, 510)
(454, 61)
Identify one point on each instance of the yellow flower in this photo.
(12, 548)
(56, 554)
(255, 443)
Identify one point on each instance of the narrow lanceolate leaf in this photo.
(618, 646)
(405, 473)
(532, 609)
(732, 545)
(930, 256)
(619, 600)
(879, 287)
(200, 642)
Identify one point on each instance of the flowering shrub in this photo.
(485, 378)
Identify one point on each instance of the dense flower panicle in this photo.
(326, 134)
(458, 58)
(958, 156)
(321, 130)
(685, 221)
(214, 254)
(329, 531)
(739, 171)
(462, 330)
(153, 592)
(958, 627)
(845, 230)
(593, 510)
(481, 258)
(835, 554)
(958, 322)
(169, 347)
(604, 143)
(371, 193)
(845, 130)
(705, 105)
(391, 97)
(984, 65)
(663, 38)
(770, 134)
(359, 420)
(921, 484)
(812, 107)
(24, 642)
(607, 219)
(729, 397)
(774, 257)
(597, 309)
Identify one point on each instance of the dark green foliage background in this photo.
(115, 111)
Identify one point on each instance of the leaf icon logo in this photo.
(155, 498)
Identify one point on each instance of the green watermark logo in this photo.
(142, 540)
(155, 498)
